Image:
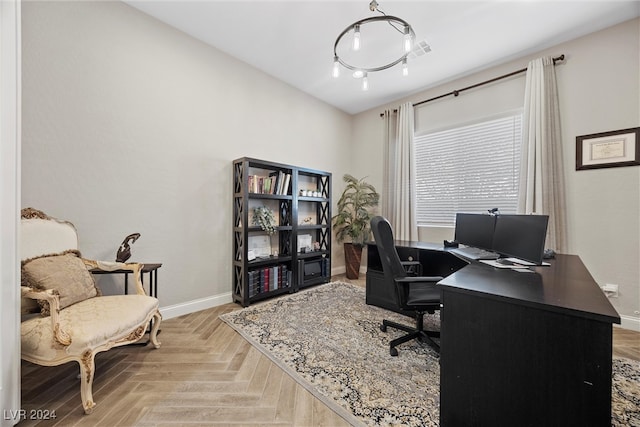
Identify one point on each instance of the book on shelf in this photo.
(282, 183)
(325, 267)
(275, 183)
(268, 279)
(274, 278)
(279, 180)
(261, 184)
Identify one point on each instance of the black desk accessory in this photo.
(450, 244)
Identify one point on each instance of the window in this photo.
(470, 168)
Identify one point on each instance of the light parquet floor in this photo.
(204, 374)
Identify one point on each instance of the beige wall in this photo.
(131, 126)
(599, 90)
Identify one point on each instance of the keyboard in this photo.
(475, 254)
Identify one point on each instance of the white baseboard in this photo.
(343, 269)
(169, 312)
(188, 307)
(338, 270)
(630, 322)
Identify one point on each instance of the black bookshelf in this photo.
(299, 252)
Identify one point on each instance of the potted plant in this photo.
(266, 220)
(352, 222)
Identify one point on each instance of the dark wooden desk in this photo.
(526, 349)
(523, 348)
(151, 269)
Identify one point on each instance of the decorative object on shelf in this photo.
(304, 243)
(265, 219)
(352, 222)
(124, 251)
(310, 193)
(608, 149)
(365, 54)
(259, 246)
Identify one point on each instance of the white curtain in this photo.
(398, 193)
(541, 174)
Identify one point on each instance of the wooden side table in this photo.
(151, 268)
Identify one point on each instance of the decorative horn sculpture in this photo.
(124, 251)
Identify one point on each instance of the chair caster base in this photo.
(393, 351)
(383, 328)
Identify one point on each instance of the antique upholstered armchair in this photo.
(64, 316)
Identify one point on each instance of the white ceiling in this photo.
(293, 40)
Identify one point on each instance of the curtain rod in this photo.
(457, 92)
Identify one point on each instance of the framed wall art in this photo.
(260, 246)
(608, 149)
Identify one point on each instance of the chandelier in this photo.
(373, 44)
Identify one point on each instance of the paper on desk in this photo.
(521, 262)
(527, 263)
(494, 263)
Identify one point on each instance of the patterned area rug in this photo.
(329, 340)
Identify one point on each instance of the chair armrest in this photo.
(105, 265)
(54, 308)
(133, 267)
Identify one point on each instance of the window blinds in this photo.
(471, 168)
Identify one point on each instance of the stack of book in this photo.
(276, 183)
(268, 279)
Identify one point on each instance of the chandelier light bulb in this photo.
(407, 39)
(336, 68)
(356, 37)
(405, 67)
(365, 82)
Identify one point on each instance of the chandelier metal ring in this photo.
(387, 18)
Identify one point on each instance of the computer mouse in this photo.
(549, 253)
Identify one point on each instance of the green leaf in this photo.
(355, 210)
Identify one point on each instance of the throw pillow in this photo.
(64, 273)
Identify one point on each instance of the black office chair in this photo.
(418, 294)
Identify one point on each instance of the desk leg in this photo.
(153, 280)
(153, 283)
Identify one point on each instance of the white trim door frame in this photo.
(10, 132)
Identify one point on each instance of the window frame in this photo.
(442, 220)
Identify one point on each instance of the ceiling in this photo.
(293, 40)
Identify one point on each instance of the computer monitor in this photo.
(521, 236)
(475, 230)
